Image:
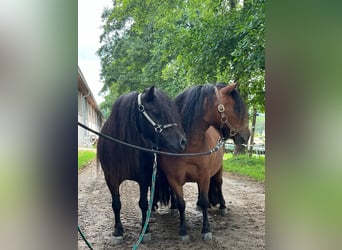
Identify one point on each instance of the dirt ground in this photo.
(243, 227)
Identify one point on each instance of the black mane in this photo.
(190, 104)
(110, 154)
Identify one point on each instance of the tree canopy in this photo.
(176, 44)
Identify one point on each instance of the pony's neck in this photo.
(197, 133)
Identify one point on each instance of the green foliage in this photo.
(260, 125)
(253, 167)
(84, 157)
(176, 44)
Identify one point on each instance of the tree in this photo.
(176, 44)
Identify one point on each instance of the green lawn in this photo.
(253, 167)
(84, 157)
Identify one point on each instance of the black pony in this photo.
(148, 120)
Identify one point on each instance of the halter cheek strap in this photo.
(158, 128)
(224, 119)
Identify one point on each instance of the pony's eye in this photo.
(158, 115)
(236, 108)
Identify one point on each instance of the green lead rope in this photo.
(84, 238)
(136, 245)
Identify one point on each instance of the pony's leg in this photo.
(173, 206)
(143, 204)
(116, 205)
(198, 207)
(218, 179)
(182, 225)
(178, 192)
(204, 204)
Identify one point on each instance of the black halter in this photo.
(158, 128)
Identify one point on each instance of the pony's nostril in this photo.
(183, 142)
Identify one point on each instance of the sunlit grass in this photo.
(84, 157)
(253, 167)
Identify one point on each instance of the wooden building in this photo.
(89, 113)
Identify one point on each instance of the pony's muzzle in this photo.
(182, 143)
(245, 136)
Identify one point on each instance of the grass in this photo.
(84, 157)
(253, 167)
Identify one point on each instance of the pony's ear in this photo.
(227, 90)
(150, 94)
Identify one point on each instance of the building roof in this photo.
(85, 90)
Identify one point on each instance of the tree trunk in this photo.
(251, 142)
(232, 4)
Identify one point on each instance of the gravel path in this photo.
(243, 227)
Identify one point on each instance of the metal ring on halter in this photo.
(141, 108)
(158, 129)
(233, 132)
(220, 108)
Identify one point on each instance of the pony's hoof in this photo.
(184, 238)
(207, 236)
(117, 240)
(174, 212)
(147, 237)
(223, 211)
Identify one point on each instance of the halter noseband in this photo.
(224, 118)
(158, 128)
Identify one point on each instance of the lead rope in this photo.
(154, 173)
(84, 238)
(213, 150)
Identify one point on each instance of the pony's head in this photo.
(159, 120)
(217, 105)
(232, 113)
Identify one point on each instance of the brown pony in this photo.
(208, 112)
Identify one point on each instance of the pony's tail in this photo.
(213, 193)
(162, 189)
